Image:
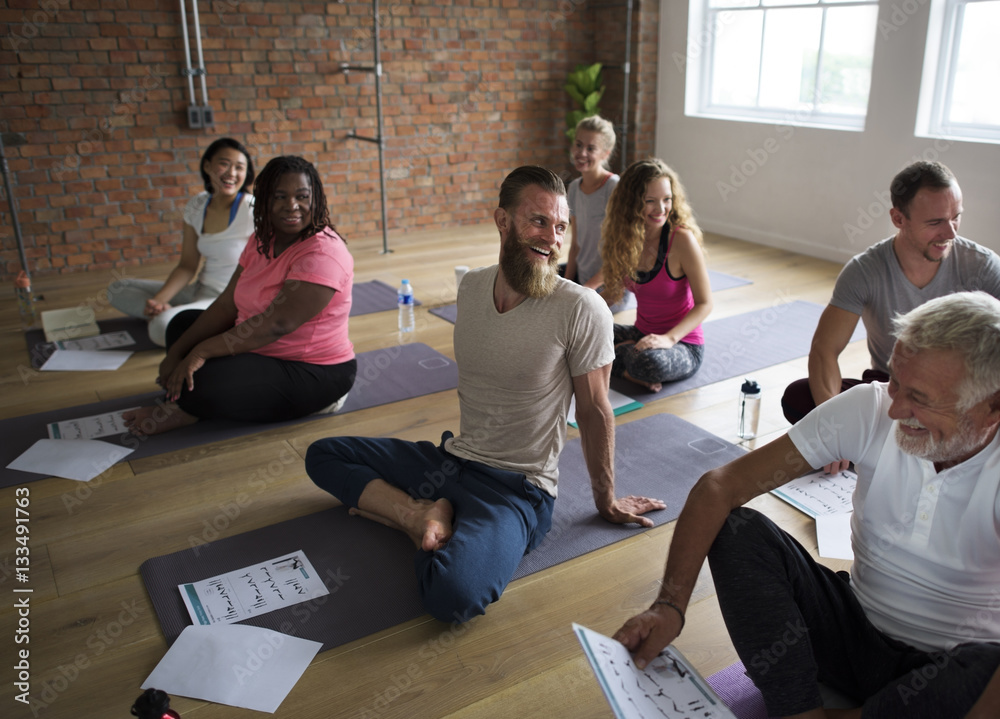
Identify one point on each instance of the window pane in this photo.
(773, 3)
(848, 46)
(791, 46)
(733, 3)
(736, 58)
(974, 98)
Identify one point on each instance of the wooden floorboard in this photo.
(94, 637)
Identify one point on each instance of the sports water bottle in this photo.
(404, 297)
(749, 409)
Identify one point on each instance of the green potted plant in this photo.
(585, 86)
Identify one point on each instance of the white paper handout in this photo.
(85, 360)
(257, 589)
(98, 425)
(668, 687)
(106, 341)
(80, 459)
(238, 665)
(833, 536)
(820, 493)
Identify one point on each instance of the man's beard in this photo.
(962, 444)
(524, 276)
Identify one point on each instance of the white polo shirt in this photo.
(926, 544)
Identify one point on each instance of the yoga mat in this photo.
(39, 350)
(719, 280)
(366, 297)
(369, 567)
(743, 344)
(387, 375)
(373, 296)
(738, 693)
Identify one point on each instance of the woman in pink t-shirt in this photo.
(651, 245)
(274, 345)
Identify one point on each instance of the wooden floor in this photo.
(93, 634)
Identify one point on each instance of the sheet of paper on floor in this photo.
(85, 360)
(668, 687)
(257, 589)
(109, 424)
(80, 459)
(233, 664)
(819, 493)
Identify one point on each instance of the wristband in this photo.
(675, 608)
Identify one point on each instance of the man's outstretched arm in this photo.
(597, 438)
(716, 494)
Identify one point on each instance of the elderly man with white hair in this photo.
(914, 631)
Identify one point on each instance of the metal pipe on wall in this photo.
(187, 52)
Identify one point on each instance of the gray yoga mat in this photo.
(366, 297)
(743, 344)
(368, 568)
(719, 280)
(373, 296)
(386, 375)
(39, 350)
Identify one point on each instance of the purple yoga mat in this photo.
(387, 375)
(373, 296)
(738, 693)
(719, 281)
(743, 344)
(369, 568)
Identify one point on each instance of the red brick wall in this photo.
(92, 88)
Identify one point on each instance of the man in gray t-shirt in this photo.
(527, 342)
(925, 259)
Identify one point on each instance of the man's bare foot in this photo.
(427, 523)
(147, 421)
(437, 522)
(651, 386)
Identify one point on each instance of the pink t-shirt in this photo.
(322, 259)
(664, 301)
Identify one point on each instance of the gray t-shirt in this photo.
(588, 213)
(516, 369)
(873, 285)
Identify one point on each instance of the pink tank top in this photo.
(664, 301)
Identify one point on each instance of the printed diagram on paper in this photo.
(98, 425)
(819, 493)
(253, 590)
(668, 688)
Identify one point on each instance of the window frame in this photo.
(699, 75)
(937, 84)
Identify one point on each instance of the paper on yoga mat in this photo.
(366, 297)
(39, 350)
(719, 281)
(368, 568)
(386, 375)
(743, 344)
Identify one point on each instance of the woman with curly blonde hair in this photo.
(651, 245)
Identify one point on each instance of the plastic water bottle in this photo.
(749, 414)
(404, 297)
(25, 300)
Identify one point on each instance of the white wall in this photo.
(806, 189)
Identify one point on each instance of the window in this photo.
(799, 62)
(961, 65)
